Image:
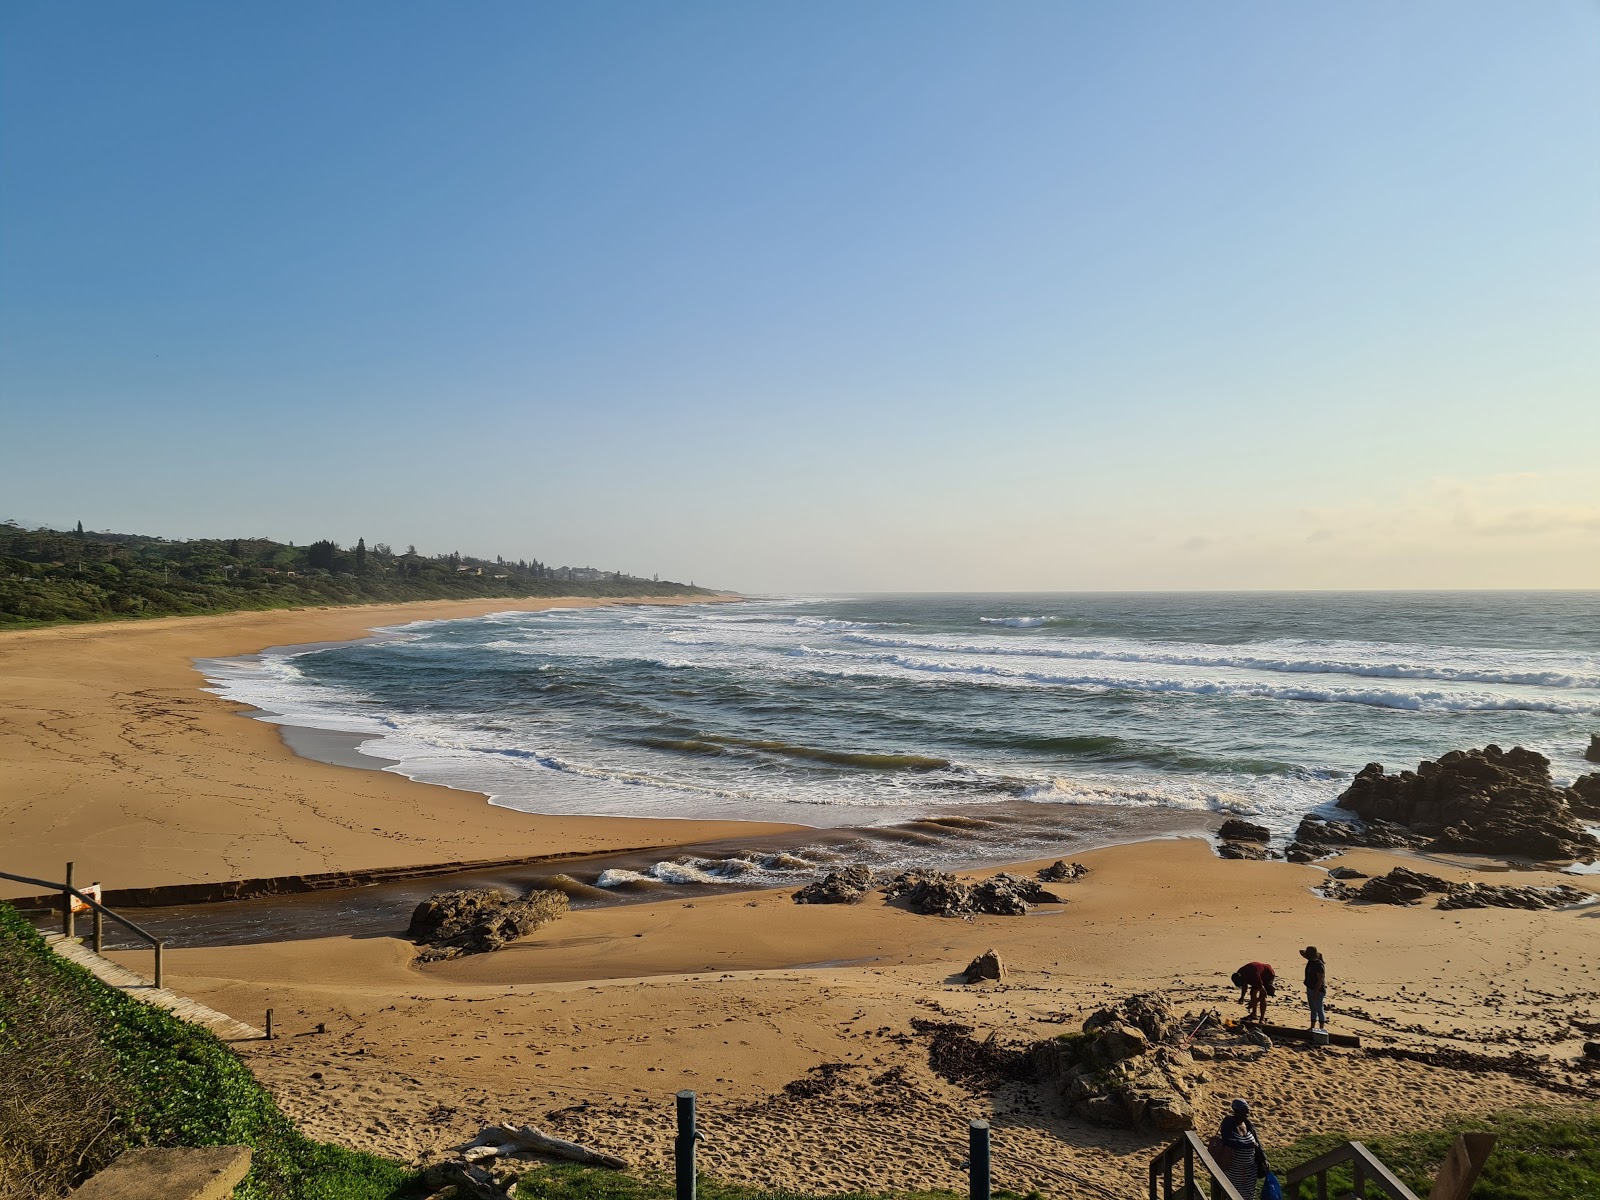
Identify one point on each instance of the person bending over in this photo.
(1259, 980)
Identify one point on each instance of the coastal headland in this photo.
(806, 1030)
(114, 758)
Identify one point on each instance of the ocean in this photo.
(946, 729)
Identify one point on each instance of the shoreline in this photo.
(119, 760)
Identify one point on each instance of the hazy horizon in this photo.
(888, 298)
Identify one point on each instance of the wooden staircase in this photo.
(1185, 1170)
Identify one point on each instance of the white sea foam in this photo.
(1018, 622)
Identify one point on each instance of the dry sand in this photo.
(112, 756)
(587, 1027)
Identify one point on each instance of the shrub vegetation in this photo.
(86, 1072)
(48, 576)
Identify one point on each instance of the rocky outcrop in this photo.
(941, 894)
(1592, 754)
(1253, 851)
(478, 920)
(1065, 872)
(986, 966)
(1125, 1069)
(1583, 797)
(837, 887)
(1236, 830)
(1402, 886)
(1318, 837)
(1488, 801)
(1488, 895)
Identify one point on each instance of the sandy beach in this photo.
(114, 758)
(588, 1027)
(795, 1024)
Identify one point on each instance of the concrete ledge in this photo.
(170, 1173)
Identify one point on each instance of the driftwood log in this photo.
(498, 1140)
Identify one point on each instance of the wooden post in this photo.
(99, 931)
(978, 1160)
(1461, 1166)
(67, 923)
(684, 1147)
(158, 964)
(269, 1024)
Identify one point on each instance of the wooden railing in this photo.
(68, 928)
(1189, 1153)
(1364, 1166)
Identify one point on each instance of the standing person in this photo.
(1238, 1133)
(1261, 981)
(1316, 987)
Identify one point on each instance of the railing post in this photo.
(684, 1148)
(99, 931)
(978, 1158)
(158, 964)
(269, 1024)
(1358, 1172)
(67, 923)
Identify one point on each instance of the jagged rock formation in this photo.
(1236, 830)
(1488, 801)
(1125, 1069)
(1253, 851)
(1583, 797)
(1402, 886)
(1489, 895)
(1065, 872)
(986, 966)
(837, 887)
(1593, 752)
(1318, 837)
(938, 893)
(478, 920)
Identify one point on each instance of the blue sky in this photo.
(817, 296)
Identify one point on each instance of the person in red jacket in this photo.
(1261, 981)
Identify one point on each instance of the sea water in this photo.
(984, 719)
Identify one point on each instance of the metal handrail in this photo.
(1186, 1150)
(66, 889)
(1364, 1164)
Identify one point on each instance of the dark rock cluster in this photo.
(1593, 752)
(942, 894)
(478, 920)
(1488, 801)
(1318, 837)
(1488, 895)
(1236, 830)
(1063, 872)
(1126, 1068)
(837, 887)
(1403, 886)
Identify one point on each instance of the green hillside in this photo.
(49, 576)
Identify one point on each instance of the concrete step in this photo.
(141, 988)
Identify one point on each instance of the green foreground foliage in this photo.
(1542, 1154)
(48, 576)
(86, 1072)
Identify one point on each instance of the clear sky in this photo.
(821, 295)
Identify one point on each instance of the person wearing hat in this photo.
(1316, 986)
(1238, 1134)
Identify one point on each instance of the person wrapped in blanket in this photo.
(1249, 1161)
